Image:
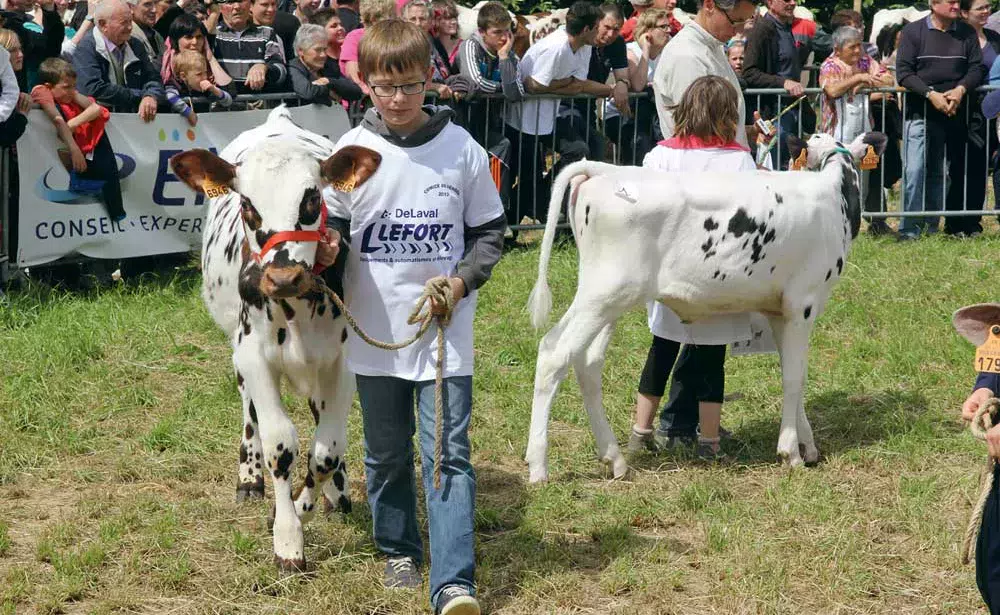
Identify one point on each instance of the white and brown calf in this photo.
(703, 244)
(267, 186)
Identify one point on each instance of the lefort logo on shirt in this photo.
(407, 234)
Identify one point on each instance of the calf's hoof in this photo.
(538, 474)
(810, 456)
(250, 490)
(290, 566)
(619, 467)
(789, 460)
(343, 505)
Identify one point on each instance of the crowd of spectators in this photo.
(190, 56)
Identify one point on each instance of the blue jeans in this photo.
(389, 424)
(924, 184)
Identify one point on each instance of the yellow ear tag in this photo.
(349, 184)
(213, 189)
(870, 161)
(799, 163)
(988, 355)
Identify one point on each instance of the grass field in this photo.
(119, 420)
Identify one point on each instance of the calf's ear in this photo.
(795, 146)
(203, 171)
(350, 167)
(973, 322)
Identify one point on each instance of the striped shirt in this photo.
(239, 51)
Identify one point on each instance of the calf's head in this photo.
(278, 186)
(822, 150)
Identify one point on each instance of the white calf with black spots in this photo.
(704, 244)
(258, 257)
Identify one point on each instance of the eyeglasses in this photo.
(736, 24)
(388, 91)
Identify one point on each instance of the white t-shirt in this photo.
(546, 61)
(9, 91)
(662, 321)
(407, 226)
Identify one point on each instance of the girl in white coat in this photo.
(705, 125)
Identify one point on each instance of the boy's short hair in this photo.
(582, 15)
(54, 70)
(493, 15)
(845, 17)
(187, 61)
(394, 46)
(708, 109)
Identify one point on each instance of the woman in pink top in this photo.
(372, 11)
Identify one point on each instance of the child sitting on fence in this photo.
(705, 125)
(80, 122)
(190, 71)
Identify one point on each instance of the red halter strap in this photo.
(279, 238)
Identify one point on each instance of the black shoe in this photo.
(456, 600)
(402, 573)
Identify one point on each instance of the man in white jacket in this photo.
(699, 50)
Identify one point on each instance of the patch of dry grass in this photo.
(118, 432)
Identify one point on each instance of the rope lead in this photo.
(437, 291)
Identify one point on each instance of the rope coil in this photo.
(438, 292)
(981, 423)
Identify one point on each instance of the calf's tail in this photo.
(540, 300)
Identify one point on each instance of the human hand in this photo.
(192, 118)
(79, 160)
(23, 103)
(955, 94)
(457, 293)
(942, 103)
(793, 87)
(993, 441)
(619, 95)
(327, 251)
(205, 85)
(444, 92)
(973, 402)
(147, 109)
(256, 75)
(322, 81)
(504, 49)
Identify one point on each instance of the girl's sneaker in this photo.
(84, 186)
(709, 449)
(640, 440)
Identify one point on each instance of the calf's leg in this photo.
(329, 404)
(792, 339)
(280, 448)
(589, 367)
(251, 472)
(561, 346)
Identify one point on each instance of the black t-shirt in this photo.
(349, 19)
(605, 59)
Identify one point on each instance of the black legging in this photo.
(988, 549)
(699, 375)
(104, 166)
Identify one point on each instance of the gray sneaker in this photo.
(638, 442)
(709, 451)
(456, 600)
(402, 573)
(665, 442)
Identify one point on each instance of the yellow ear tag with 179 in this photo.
(800, 163)
(213, 189)
(988, 355)
(870, 161)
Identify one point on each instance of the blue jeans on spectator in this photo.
(924, 184)
(389, 425)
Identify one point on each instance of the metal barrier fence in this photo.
(524, 165)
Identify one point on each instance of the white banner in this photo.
(162, 214)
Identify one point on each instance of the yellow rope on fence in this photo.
(981, 423)
(437, 291)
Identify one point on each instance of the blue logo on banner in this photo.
(45, 191)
